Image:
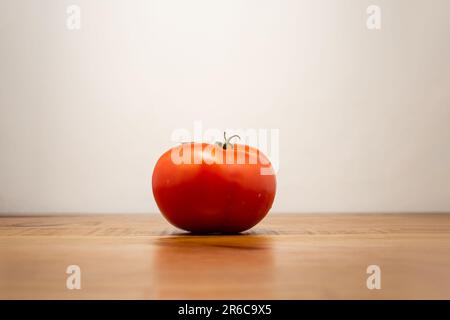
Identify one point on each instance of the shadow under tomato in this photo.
(211, 266)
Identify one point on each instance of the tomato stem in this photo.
(226, 142)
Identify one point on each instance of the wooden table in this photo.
(320, 256)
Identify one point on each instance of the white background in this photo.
(364, 116)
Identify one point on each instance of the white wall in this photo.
(364, 116)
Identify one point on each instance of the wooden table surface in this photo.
(321, 256)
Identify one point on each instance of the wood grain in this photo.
(322, 256)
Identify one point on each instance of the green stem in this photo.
(226, 142)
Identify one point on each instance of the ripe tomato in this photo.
(209, 188)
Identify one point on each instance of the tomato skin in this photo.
(210, 197)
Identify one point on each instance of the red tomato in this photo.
(206, 193)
